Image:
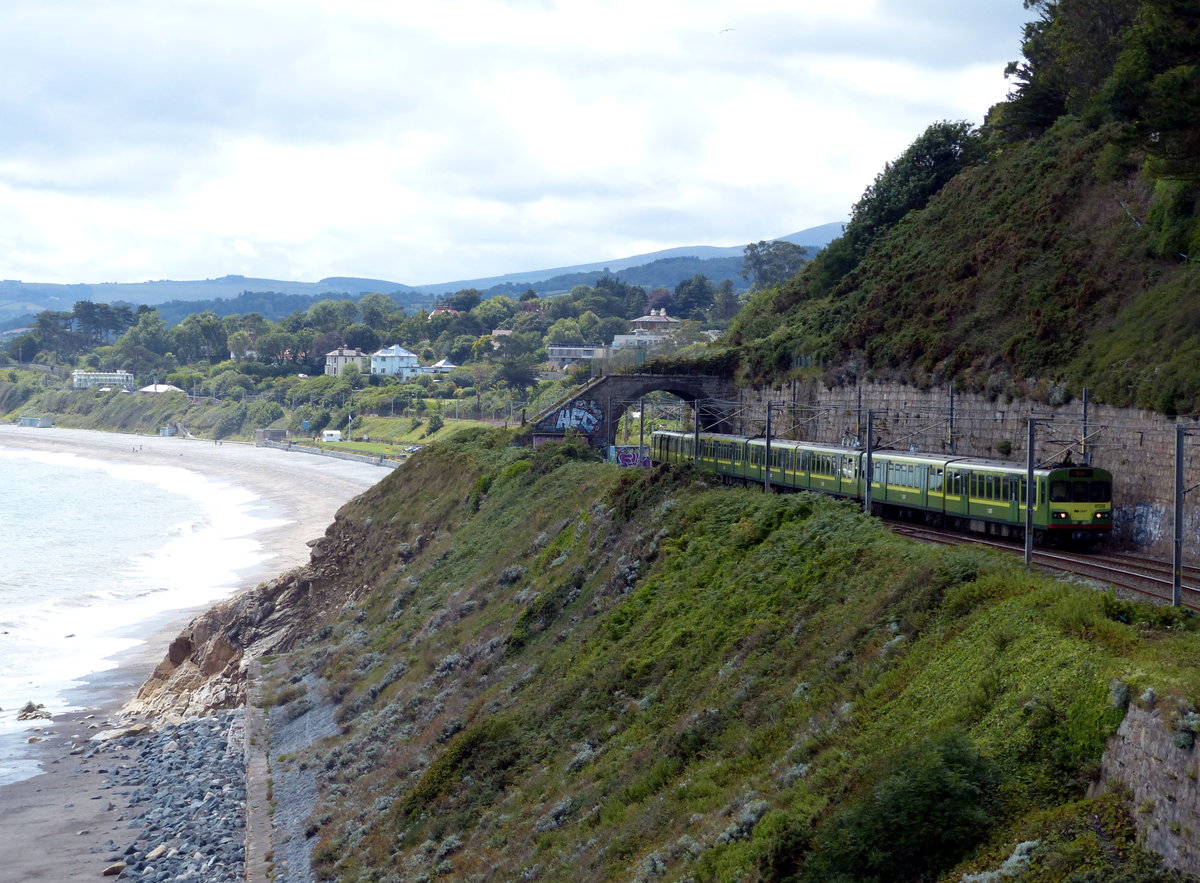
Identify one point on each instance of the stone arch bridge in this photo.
(595, 409)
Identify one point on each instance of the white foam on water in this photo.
(89, 549)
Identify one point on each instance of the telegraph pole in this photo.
(870, 462)
(1030, 492)
(767, 464)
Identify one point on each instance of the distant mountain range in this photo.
(814, 238)
(20, 301)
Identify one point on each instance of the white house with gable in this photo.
(395, 361)
(336, 361)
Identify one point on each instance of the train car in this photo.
(1072, 504)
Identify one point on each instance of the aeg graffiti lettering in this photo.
(583, 416)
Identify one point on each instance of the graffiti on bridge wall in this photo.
(582, 416)
(629, 455)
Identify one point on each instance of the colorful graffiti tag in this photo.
(629, 455)
(582, 416)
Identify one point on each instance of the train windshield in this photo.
(1080, 491)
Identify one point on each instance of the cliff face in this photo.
(205, 668)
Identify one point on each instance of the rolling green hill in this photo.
(1054, 249)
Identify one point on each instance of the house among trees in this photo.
(648, 331)
(395, 361)
(336, 361)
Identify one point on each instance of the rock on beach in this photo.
(186, 789)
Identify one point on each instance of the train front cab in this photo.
(1079, 504)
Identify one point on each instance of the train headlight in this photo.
(1103, 516)
(1060, 516)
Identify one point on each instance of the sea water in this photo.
(88, 550)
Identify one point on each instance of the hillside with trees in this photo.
(255, 372)
(1054, 248)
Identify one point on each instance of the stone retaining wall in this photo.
(1137, 446)
(1161, 778)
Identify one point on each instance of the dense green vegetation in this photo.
(553, 669)
(1051, 250)
(272, 373)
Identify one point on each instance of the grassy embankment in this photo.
(560, 670)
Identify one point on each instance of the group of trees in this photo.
(242, 354)
(1131, 67)
(85, 327)
(1132, 62)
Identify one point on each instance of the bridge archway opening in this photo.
(633, 421)
(600, 410)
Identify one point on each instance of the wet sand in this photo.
(56, 824)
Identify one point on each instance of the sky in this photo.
(433, 141)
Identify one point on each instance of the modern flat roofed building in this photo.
(87, 379)
(562, 355)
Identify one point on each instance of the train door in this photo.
(1011, 489)
(953, 499)
(935, 489)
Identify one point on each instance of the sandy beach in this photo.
(55, 825)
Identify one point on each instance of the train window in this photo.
(936, 477)
(1079, 491)
(1101, 491)
(1060, 492)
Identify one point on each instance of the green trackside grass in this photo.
(613, 675)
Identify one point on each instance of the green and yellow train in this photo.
(1073, 504)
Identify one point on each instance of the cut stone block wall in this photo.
(1137, 446)
(1162, 780)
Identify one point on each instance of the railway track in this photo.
(1148, 578)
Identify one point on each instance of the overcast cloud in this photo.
(427, 142)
